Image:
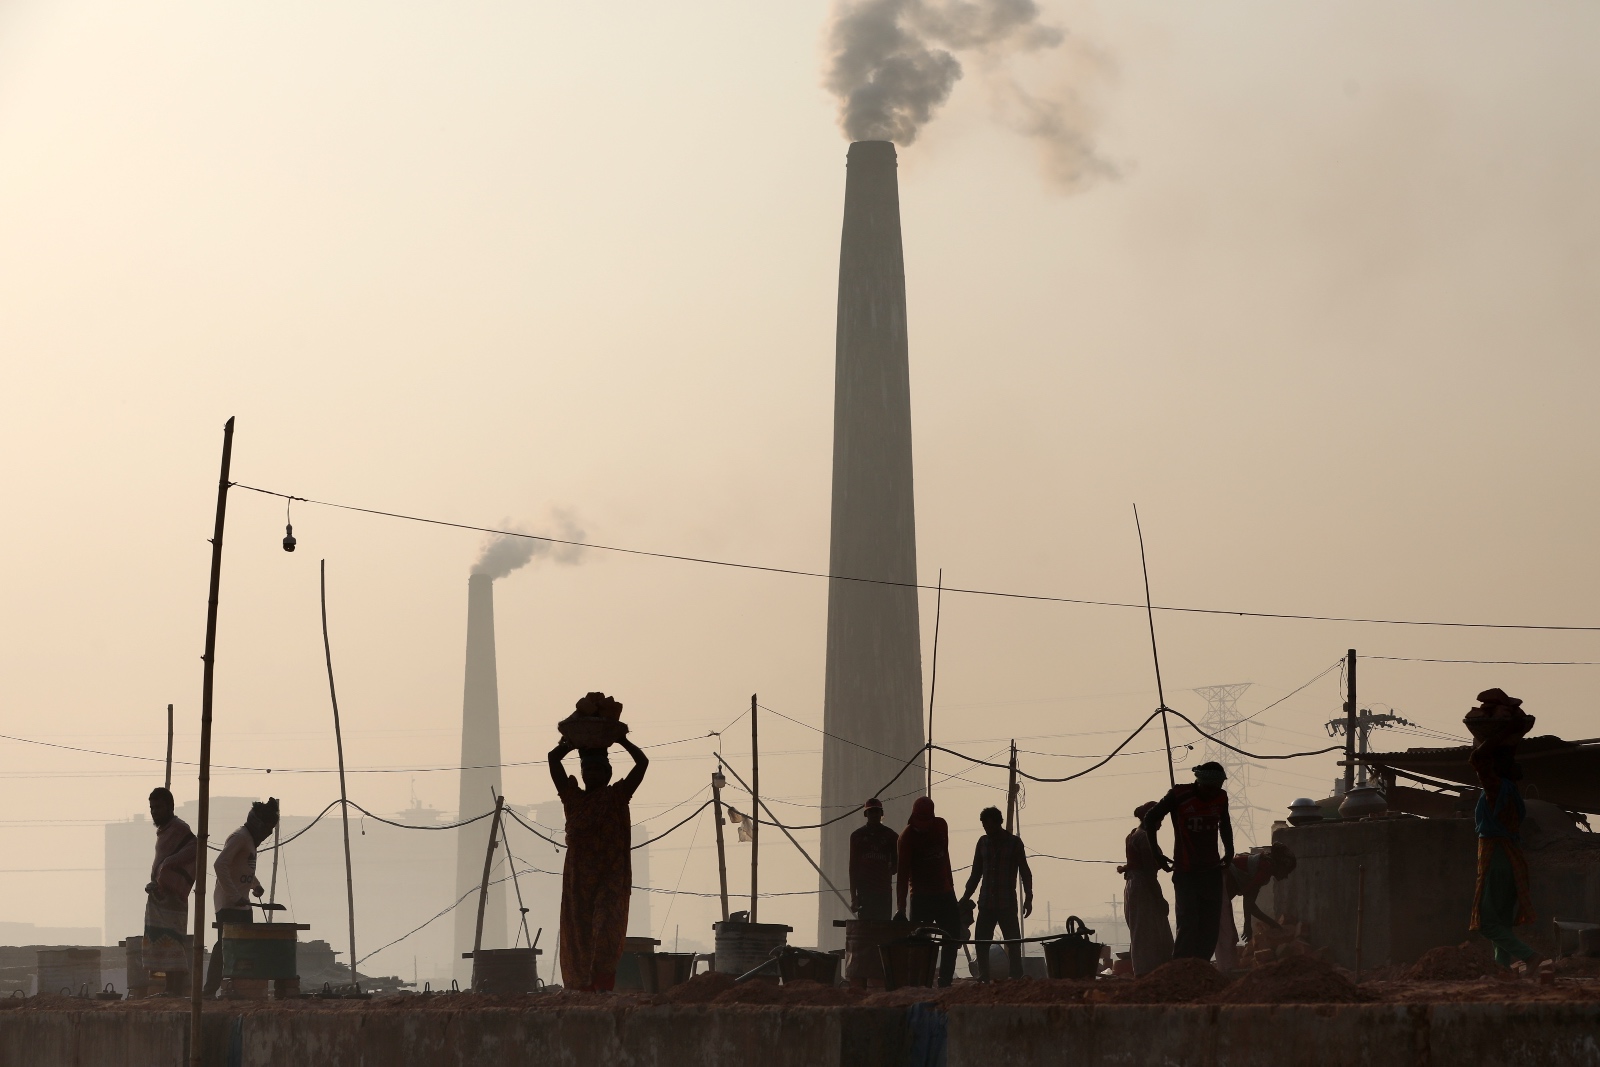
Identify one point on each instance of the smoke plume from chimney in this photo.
(893, 64)
(504, 553)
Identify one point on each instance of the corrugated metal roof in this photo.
(1566, 773)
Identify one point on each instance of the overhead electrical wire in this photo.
(797, 572)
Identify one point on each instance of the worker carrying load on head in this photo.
(1245, 876)
(873, 850)
(165, 950)
(1199, 816)
(1143, 903)
(597, 876)
(1501, 899)
(235, 868)
(998, 861)
(923, 870)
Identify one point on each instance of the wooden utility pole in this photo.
(755, 807)
(202, 824)
(717, 782)
(1350, 719)
(1011, 789)
(169, 748)
(344, 801)
(483, 888)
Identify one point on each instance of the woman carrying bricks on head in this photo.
(597, 877)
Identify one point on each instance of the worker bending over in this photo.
(1246, 876)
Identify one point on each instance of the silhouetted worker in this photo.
(1143, 904)
(997, 862)
(874, 850)
(1246, 876)
(1199, 815)
(923, 868)
(235, 868)
(1501, 899)
(597, 875)
(166, 908)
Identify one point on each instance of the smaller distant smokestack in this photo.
(480, 777)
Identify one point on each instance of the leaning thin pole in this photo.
(511, 861)
(169, 747)
(202, 824)
(755, 807)
(344, 802)
(755, 821)
(933, 686)
(1150, 612)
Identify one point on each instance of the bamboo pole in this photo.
(796, 844)
(202, 824)
(755, 806)
(1150, 613)
(933, 686)
(169, 748)
(483, 887)
(717, 782)
(511, 861)
(344, 801)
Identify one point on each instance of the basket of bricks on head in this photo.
(596, 723)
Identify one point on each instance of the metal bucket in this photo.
(671, 969)
(69, 969)
(863, 965)
(742, 947)
(259, 950)
(796, 964)
(1074, 954)
(636, 970)
(911, 961)
(506, 970)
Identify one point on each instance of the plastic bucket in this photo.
(506, 970)
(742, 947)
(796, 964)
(1074, 954)
(910, 961)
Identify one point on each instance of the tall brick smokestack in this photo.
(873, 697)
(480, 751)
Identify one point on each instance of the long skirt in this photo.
(1149, 931)
(165, 948)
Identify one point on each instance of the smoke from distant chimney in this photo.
(504, 553)
(893, 64)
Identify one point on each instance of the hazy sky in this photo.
(1333, 329)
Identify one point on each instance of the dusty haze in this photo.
(1334, 329)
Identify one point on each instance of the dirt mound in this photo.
(1017, 991)
(1175, 982)
(701, 989)
(1292, 980)
(1453, 963)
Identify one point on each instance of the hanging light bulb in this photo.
(288, 529)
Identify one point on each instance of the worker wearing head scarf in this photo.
(874, 853)
(1143, 903)
(923, 870)
(1199, 817)
(597, 875)
(1501, 899)
(235, 868)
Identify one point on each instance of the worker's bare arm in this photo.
(558, 774)
(1027, 879)
(1152, 823)
(977, 872)
(1225, 829)
(641, 762)
(1252, 910)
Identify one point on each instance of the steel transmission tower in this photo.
(1222, 720)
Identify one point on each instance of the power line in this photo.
(796, 572)
(1494, 662)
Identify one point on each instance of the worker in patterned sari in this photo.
(165, 949)
(597, 877)
(1501, 899)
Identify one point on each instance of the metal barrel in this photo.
(259, 950)
(741, 947)
(506, 970)
(863, 966)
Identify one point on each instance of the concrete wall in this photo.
(1508, 1035)
(1419, 882)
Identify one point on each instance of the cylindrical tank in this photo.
(863, 966)
(743, 947)
(506, 970)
